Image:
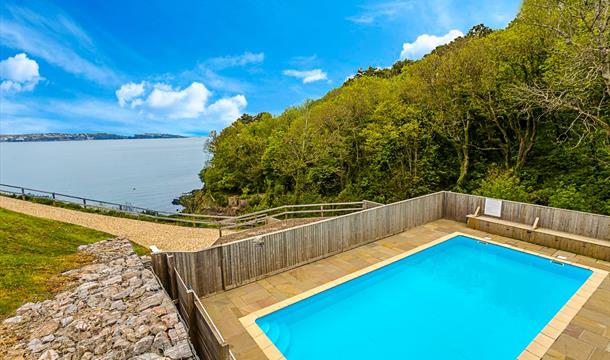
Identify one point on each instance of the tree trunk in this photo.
(526, 142)
(463, 167)
(464, 155)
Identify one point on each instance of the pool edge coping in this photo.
(535, 350)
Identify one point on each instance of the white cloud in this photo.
(55, 115)
(237, 60)
(158, 101)
(226, 110)
(18, 73)
(177, 104)
(59, 115)
(307, 76)
(54, 37)
(426, 43)
(381, 11)
(128, 92)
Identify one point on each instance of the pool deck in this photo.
(586, 336)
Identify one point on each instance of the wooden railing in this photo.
(292, 211)
(126, 209)
(221, 222)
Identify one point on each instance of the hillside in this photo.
(36, 251)
(520, 113)
(81, 136)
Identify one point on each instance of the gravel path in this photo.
(165, 237)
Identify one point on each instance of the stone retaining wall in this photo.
(115, 309)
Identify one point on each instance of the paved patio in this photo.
(587, 336)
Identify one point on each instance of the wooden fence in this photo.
(227, 266)
(204, 334)
(457, 206)
(237, 263)
(294, 211)
(221, 222)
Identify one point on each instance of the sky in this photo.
(189, 67)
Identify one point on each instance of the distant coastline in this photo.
(82, 137)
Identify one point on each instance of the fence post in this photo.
(224, 352)
(321, 210)
(159, 264)
(173, 284)
(85, 203)
(191, 310)
(22, 193)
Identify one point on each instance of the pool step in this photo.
(273, 332)
(283, 341)
(278, 334)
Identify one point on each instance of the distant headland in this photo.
(81, 136)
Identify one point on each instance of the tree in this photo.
(447, 85)
(577, 77)
(493, 112)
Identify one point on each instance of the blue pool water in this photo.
(460, 299)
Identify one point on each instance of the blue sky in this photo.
(189, 67)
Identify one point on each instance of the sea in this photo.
(147, 173)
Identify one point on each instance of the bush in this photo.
(503, 184)
(569, 197)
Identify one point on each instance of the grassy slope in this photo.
(33, 252)
(139, 249)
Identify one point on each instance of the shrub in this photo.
(569, 197)
(503, 184)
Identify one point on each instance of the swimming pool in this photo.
(459, 299)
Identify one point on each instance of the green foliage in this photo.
(35, 251)
(140, 250)
(569, 197)
(470, 116)
(505, 185)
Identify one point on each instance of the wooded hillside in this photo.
(521, 113)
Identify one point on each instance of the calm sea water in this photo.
(147, 173)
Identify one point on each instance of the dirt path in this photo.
(165, 237)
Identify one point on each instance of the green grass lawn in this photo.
(140, 250)
(33, 252)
